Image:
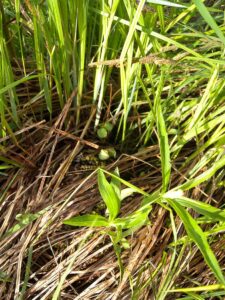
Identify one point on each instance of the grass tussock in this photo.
(138, 86)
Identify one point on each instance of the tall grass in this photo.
(64, 35)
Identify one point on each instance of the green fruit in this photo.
(112, 152)
(108, 126)
(103, 155)
(102, 133)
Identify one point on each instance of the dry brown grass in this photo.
(50, 180)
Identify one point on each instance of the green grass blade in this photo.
(166, 3)
(153, 197)
(165, 39)
(209, 19)
(17, 82)
(163, 137)
(212, 287)
(205, 101)
(204, 176)
(202, 208)
(197, 235)
(7, 76)
(132, 28)
(27, 273)
(20, 35)
(71, 260)
(10, 161)
(39, 55)
(100, 75)
(82, 28)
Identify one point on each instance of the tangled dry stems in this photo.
(49, 183)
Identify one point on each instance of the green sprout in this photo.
(117, 228)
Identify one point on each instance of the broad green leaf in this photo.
(131, 222)
(151, 198)
(209, 19)
(109, 195)
(116, 184)
(144, 201)
(197, 235)
(87, 220)
(138, 218)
